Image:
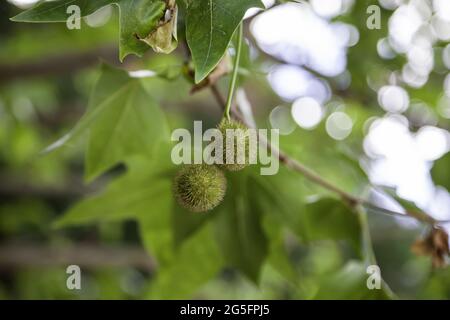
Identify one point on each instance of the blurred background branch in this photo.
(14, 256)
(53, 65)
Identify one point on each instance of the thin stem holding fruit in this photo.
(235, 72)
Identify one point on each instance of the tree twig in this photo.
(13, 187)
(316, 178)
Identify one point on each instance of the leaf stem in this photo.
(235, 72)
(368, 253)
(316, 178)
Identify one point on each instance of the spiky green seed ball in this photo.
(199, 187)
(241, 139)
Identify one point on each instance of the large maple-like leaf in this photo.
(138, 18)
(210, 24)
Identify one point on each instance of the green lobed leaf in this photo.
(131, 124)
(195, 262)
(122, 121)
(156, 232)
(349, 283)
(210, 25)
(291, 192)
(144, 194)
(186, 223)
(330, 219)
(238, 227)
(273, 204)
(144, 190)
(138, 18)
(278, 256)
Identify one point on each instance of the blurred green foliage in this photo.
(275, 237)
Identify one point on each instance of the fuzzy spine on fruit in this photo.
(199, 187)
(236, 156)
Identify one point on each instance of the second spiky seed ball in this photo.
(241, 135)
